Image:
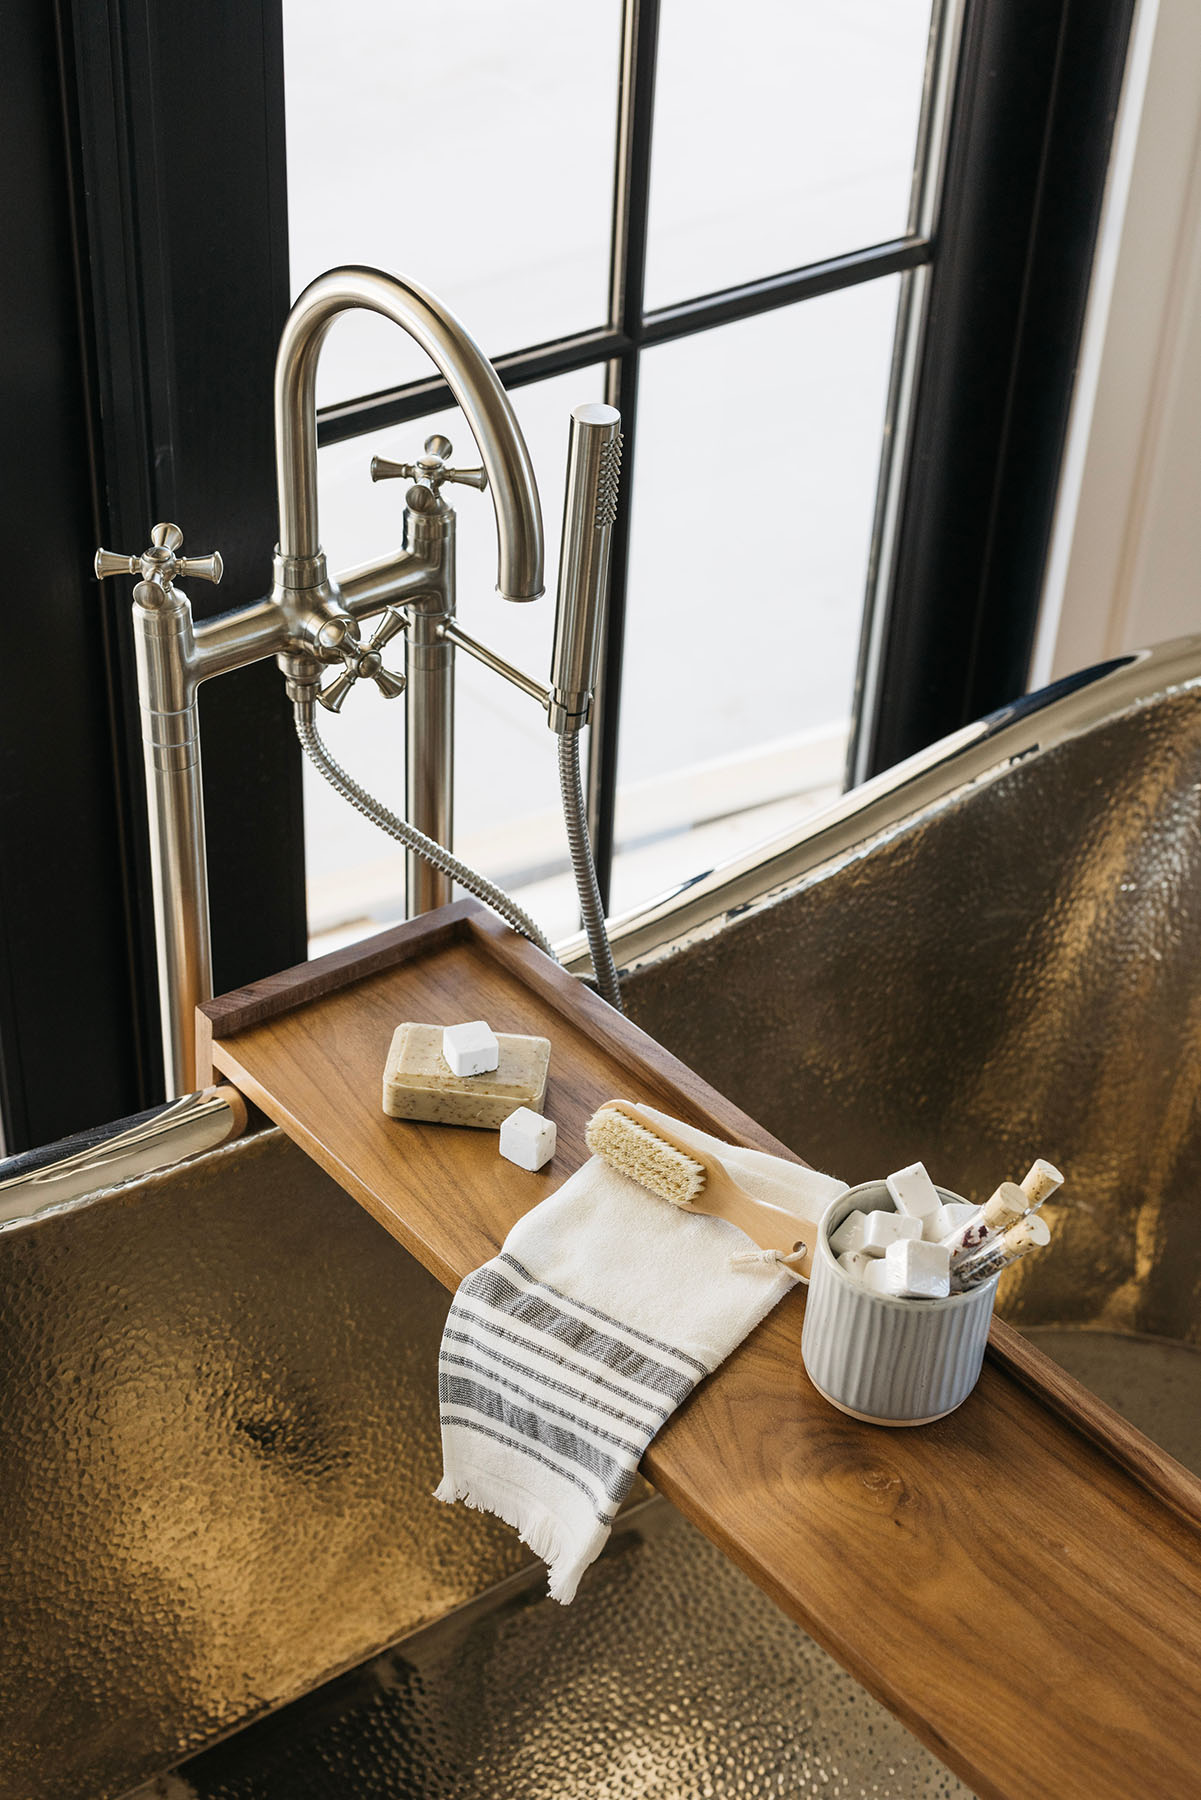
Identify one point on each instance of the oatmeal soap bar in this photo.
(419, 1084)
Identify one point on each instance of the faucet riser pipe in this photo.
(175, 804)
(429, 536)
(429, 754)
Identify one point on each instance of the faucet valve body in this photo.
(315, 621)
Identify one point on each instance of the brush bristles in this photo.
(635, 1150)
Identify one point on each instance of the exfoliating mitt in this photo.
(564, 1355)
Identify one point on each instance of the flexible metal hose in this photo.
(584, 869)
(409, 836)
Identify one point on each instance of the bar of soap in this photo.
(418, 1084)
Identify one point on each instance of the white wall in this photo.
(1125, 566)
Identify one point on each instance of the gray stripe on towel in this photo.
(619, 1324)
(469, 1396)
(515, 1387)
(547, 1381)
(562, 1358)
(490, 1286)
(604, 1515)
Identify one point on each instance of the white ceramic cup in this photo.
(883, 1360)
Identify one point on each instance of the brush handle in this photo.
(771, 1227)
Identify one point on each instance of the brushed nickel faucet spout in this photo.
(470, 377)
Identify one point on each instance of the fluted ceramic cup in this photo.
(887, 1361)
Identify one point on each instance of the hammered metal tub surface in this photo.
(1014, 969)
(670, 1677)
(219, 1441)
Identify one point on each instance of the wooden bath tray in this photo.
(1027, 1605)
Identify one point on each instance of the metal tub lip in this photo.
(704, 905)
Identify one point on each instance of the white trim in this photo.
(1121, 572)
(680, 800)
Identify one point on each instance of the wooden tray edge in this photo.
(227, 1014)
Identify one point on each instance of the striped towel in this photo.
(564, 1355)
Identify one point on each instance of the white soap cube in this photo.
(918, 1271)
(856, 1263)
(913, 1191)
(849, 1235)
(527, 1139)
(937, 1226)
(470, 1049)
(880, 1229)
(876, 1277)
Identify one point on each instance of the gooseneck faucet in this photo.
(471, 379)
(310, 622)
(422, 576)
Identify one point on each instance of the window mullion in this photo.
(631, 205)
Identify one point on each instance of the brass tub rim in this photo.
(705, 904)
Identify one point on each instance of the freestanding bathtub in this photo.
(217, 1384)
(992, 952)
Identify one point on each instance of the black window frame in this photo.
(151, 143)
(619, 345)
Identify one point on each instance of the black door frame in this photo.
(1028, 153)
(163, 173)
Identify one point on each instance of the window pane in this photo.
(507, 816)
(756, 470)
(470, 148)
(782, 142)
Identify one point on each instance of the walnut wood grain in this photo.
(1087, 1413)
(1024, 1603)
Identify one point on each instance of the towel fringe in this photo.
(539, 1535)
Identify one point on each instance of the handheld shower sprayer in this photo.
(590, 507)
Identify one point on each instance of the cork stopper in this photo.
(1041, 1181)
(1006, 1207)
(1030, 1233)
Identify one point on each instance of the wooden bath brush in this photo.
(660, 1162)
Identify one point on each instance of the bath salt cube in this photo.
(939, 1225)
(849, 1235)
(857, 1263)
(875, 1276)
(918, 1271)
(880, 1229)
(913, 1191)
(527, 1139)
(470, 1049)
